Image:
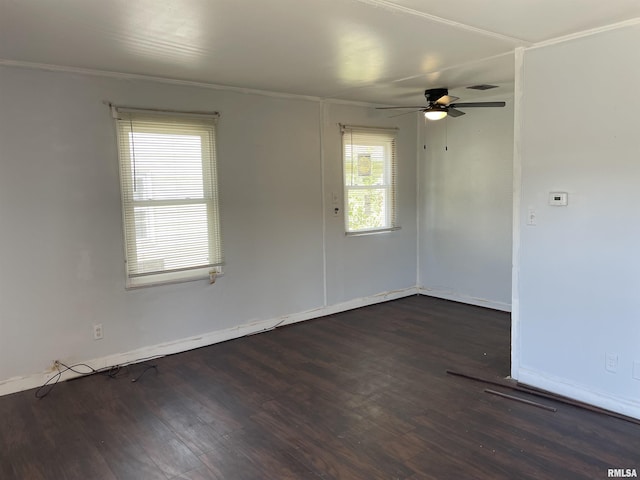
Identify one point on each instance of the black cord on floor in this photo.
(149, 367)
(46, 388)
(111, 372)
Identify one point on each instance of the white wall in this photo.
(579, 267)
(364, 265)
(61, 260)
(465, 207)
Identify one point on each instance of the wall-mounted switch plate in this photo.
(611, 362)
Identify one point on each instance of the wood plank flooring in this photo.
(361, 395)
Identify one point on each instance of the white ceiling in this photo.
(381, 51)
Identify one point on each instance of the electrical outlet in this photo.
(98, 333)
(56, 365)
(611, 362)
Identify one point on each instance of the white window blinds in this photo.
(169, 195)
(369, 163)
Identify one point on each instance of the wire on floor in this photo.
(83, 369)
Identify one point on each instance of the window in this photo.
(369, 162)
(169, 196)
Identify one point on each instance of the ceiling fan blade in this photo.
(455, 113)
(477, 104)
(446, 99)
(406, 113)
(388, 108)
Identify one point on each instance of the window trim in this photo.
(391, 186)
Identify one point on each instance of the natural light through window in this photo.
(369, 163)
(169, 195)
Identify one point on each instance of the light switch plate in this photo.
(611, 362)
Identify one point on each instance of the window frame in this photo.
(207, 131)
(387, 139)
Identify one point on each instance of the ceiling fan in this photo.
(439, 105)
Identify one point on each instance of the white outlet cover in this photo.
(98, 333)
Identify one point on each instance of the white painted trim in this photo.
(349, 305)
(586, 33)
(459, 297)
(560, 386)
(325, 288)
(517, 202)
(174, 81)
(420, 157)
(451, 23)
(17, 384)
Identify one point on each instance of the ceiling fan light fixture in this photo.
(440, 104)
(435, 112)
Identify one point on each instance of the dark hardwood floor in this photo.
(361, 395)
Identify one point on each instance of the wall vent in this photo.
(483, 86)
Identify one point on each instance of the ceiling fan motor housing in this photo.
(433, 94)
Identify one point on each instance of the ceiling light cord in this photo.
(446, 134)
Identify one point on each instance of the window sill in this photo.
(371, 232)
(133, 285)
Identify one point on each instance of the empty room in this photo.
(319, 239)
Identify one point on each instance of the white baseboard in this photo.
(17, 384)
(459, 297)
(624, 406)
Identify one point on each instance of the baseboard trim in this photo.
(458, 297)
(581, 393)
(17, 384)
